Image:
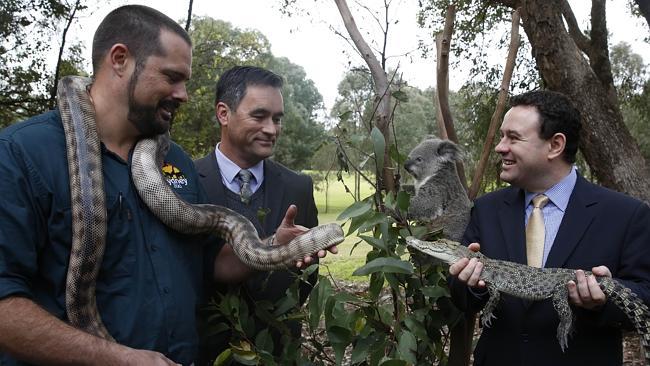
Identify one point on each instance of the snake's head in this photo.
(446, 250)
(162, 147)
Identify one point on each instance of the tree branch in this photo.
(378, 74)
(501, 102)
(582, 41)
(52, 101)
(189, 16)
(599, 57)
(381, 87)
(442, 81)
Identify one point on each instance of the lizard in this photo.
(532, 283)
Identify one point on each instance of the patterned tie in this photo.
(535, 232)
(244, 179)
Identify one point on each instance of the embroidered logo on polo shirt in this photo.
(174, 176)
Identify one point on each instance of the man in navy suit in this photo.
(585, 227)
(249, 108)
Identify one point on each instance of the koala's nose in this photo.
(408, 164)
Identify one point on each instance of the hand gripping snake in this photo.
(89, 209)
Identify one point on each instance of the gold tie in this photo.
(535, 232)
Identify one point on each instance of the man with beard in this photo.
(150, 277)
(552, 217)
(249, 109)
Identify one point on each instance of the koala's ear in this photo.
(449, 151)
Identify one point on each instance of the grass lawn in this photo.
(343, 264)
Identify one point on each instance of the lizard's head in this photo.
(445, 250)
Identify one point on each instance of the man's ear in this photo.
(222, 112)
(557, 144)
(119, 58)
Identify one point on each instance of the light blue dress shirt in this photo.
(554, 210)
(229, 171)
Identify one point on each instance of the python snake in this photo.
(89, 216)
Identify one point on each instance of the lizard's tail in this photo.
(635, 309)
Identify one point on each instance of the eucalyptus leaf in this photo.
(223, 357)
(361, 348)
(407, 346)
(375, 242)
(264, 341)
(435, 292)
(356, 209)
(376, 219)
(384, 264)
(392, 362)
(403, 201)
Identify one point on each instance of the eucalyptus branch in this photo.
(320, 349)
(582, 41)
(189, 16)
(500, 107)
(599, 59)
(57, 70)
(347, 158)
(371, 13)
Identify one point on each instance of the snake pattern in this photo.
(89, 209)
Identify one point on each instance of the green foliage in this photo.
(302, 135)
(30, 32)
(633, 86)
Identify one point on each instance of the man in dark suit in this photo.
(249, 108)
(583, 227)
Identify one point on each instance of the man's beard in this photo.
(144, 117)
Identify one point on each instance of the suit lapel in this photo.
(210, 176)
(577, 218)
(511, 213)
(274, 188)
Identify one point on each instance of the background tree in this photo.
(631, 79)
(302, 132)
(576, 63)
(30, 31)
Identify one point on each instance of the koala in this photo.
(440, 198)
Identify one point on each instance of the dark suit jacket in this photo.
(600, 227)
(283, 187)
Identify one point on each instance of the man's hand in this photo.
(586, 293)
(288, 230)
(467, 270)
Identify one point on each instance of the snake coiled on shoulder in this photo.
(89, 215)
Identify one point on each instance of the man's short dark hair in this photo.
(231, 87)
(136, 26)
(557, 115)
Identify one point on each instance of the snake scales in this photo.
(89, 209)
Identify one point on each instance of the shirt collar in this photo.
(229, 169)
(560, 193)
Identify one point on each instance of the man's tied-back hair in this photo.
(136, 26)
(231, 87)
(557, 115)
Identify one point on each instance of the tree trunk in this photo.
(611, 152)
(382, 91)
